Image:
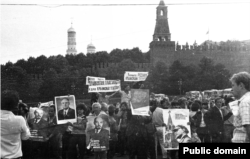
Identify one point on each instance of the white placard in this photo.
(135, 76)
(90, 79)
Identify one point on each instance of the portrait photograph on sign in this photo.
(65, 109)
(140, 101)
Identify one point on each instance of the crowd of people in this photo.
(211, 121)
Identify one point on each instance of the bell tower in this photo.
(71, 41)
(161, 46)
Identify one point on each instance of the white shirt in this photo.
(125, 97)
(13, 129)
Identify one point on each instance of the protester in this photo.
(13, 127)
(216, 121)
(38, 143)
(200, 123)
(77, 137)
(113, 132)
(228, 124)
(157, 119)
(241, 91)
(122, 127)
(137, 135)
(54, 137)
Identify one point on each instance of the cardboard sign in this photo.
(140, 102)
(173, 118)
(105, 86)
(135, 76)
(90, 79)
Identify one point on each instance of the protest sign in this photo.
(140, 101)
(234, 107)
(105, 86)
(98, 141)
(65, 109)
(90, 79)
(173, 118)
(135, 76)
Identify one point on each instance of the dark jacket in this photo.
(102, 136)
(41, 126)
(215, 121)
(69, 115)
(137, 125)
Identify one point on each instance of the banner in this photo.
(174, 118)
(140, 102)
(90, 79)
(135, 76)
(105, 86)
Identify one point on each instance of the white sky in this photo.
(36, 30)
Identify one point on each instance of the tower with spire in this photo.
(90, 48)
(161, 45)
(71, 40)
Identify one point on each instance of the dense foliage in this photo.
(43, 78)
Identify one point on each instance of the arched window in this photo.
(161, 12)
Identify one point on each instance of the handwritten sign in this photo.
(90, 79)
(135, 76)
(105, 86)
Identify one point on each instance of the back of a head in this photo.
(81, 106)
(9, 100)
(195, 106)
(111, 110)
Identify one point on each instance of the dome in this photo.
(90, 46)
(71, 30)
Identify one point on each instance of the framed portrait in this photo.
(65, 109)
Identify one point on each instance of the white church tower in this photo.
(71, 40)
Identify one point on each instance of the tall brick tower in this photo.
(71, 40)
(161, 47)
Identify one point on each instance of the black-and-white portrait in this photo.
(66, 109)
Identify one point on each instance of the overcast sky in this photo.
(34, 30)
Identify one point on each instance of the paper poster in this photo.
(97, 134)
(174, 119)
(90, 79)
(65, 109)
(234, 107)
(105, 86)
(140, 101)
(135, 76)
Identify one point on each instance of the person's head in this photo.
(52, 110)
(175, 104)
(104, 107)
(81, 109)
(180, 130)
(204, 106)
(124, 106)
(96, 108)
(117, 105)
(23, 109)
(165, 103)
(127, 87)
(38, 113)
(9, 100)
(182, 102)
(111, 110)
(218, 102)
(195, 107)
(65, 103)
(240, 84)
(98, 121)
